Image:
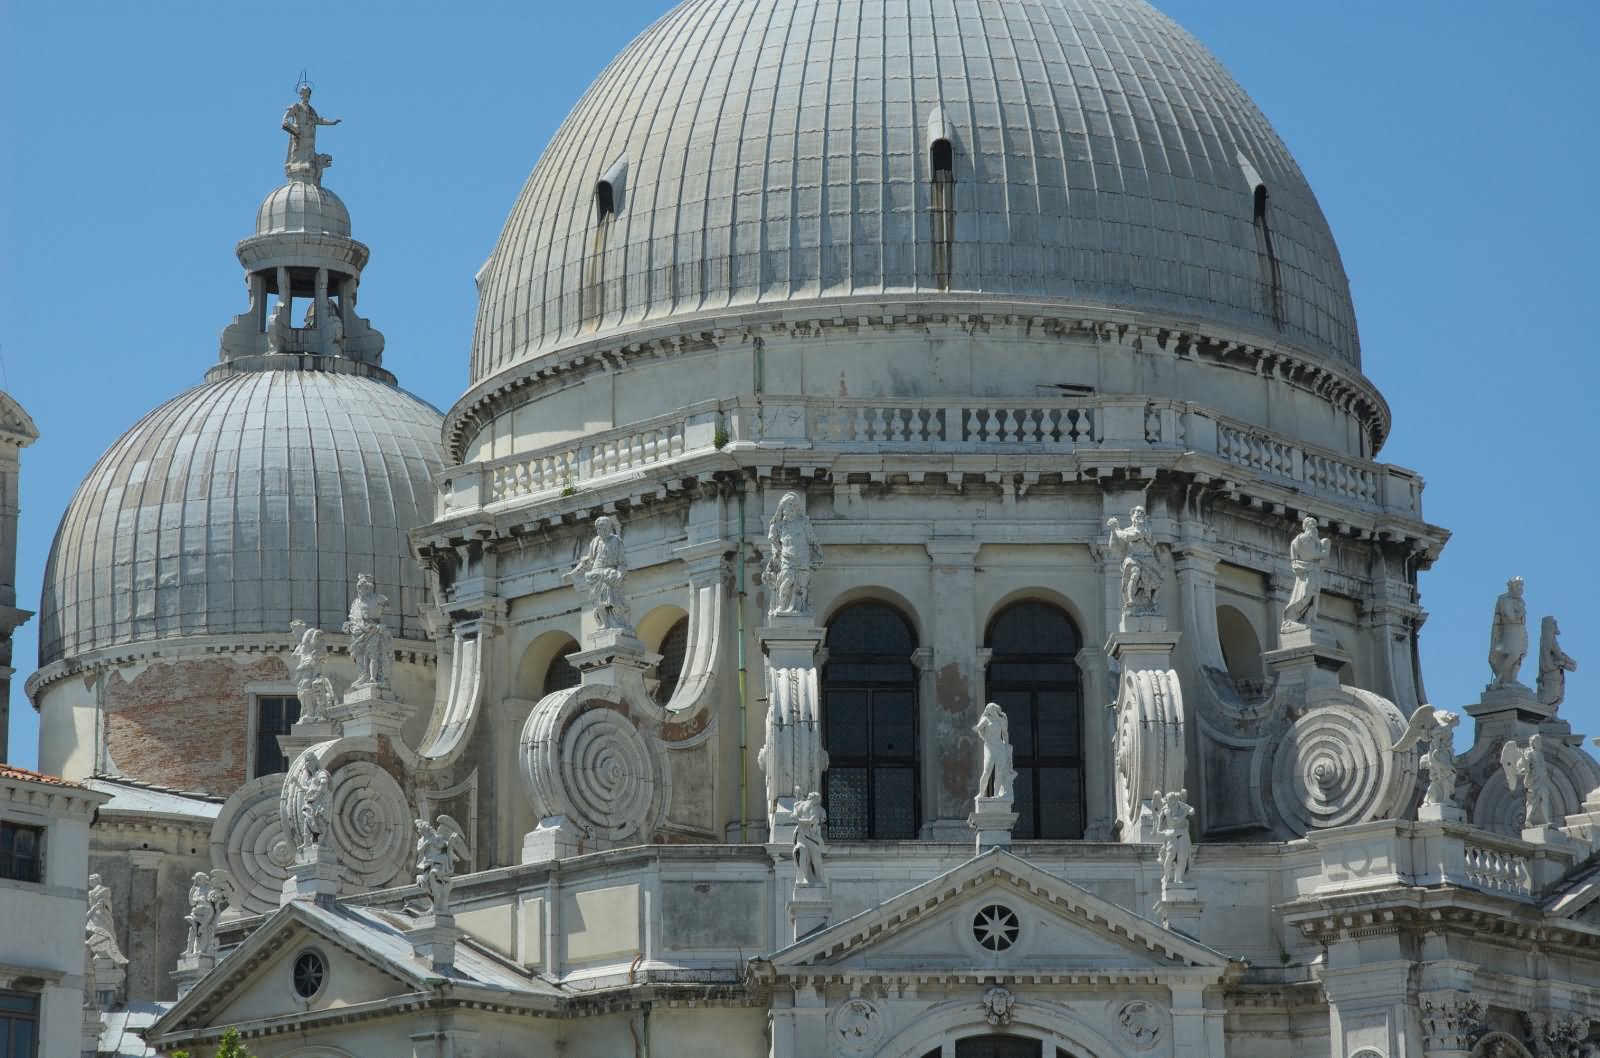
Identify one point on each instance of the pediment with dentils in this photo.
(1045, 928)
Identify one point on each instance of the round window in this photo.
(309, 973)
(996, 927)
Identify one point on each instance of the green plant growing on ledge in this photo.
(228, 1047)
(720, 438)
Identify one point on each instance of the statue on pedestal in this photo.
(1508, 636)
(304, 803)
(1172, 827)
(1526, 766)
(1141, 576)
(206, 901)
(1554, 664)
(439, 845)
(600, 573)
(312, 686)
(993, 729)
(100, 927)
(1307, 555)
(793, 553)
(1436, 727)
(809, 815)
(300, 121)
(371, 645)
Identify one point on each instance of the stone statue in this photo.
(206, 901)
(600, 573)
(1554, 664)
(101, 929)
(1141, 576)
(809, 815)
(792, 554)
(1436, 727)
(300, 121)
(371, 645)
(1172, 827)
(1307, 554)
(998, 773)
(439, 846)
(1526, 766)
(311, 684)
(1508, 638)
(304, 803)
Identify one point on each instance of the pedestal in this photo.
(313, 876)
(433, 939)
(1441, 814)
(1546, 835)
(1511, 702)
(191, 968)
(1142, 622)
(555, 838)
(110, 978)
(993, 819)
(304, 735)
(369, 711)
(1179, 908)
(810, 906)
(614, 657)
(1306, 657)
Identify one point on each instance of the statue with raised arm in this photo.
(303, 804)
(371, 645)
(809, 815)
(206, 901)
(300, 121)
(1526, 767)
(312, 686)
(1307, 554)
(101, 929)
(1141, 577)
(1172, 827)
(439, 846)
(995, 732)
(1437, 728)
(1554, 664)
(599, 575)
(793, 553)
(1508, 636)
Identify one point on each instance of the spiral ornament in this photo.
(585, 758)
(1334, 766)
(370, 826)
(248, 840)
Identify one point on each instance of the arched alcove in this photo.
(1241, 649)
(665, 631)
(545, 666)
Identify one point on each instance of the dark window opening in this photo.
(998, 1047)
(21, 852)
(1033, 675)
(19, 1025)
(605, 202)
(562, 673)
(1271, 289)
(869, 726)
(943, 157)
(309, 973)
(274, 716)
(674, 652)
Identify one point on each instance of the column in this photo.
(147, 965)
(1369, 1002)
(951, 756)
(1099, 721)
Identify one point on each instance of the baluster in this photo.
(973, 430)
(897, 426)
(991, 426)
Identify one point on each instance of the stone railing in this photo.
(1497, 871)
(854, 424)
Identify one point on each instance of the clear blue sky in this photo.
(1453, 146)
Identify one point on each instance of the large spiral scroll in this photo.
(248, 840)
(1149, 739)
(585, 758)
(1333, 766)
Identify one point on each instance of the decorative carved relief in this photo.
(858, 1027)
(998, 1003)
(584, 757)
(1149, 748)
(1334, 766)
(1559, 1034)
(1141, 1023)
(1450, 1019)
(1500, 1045)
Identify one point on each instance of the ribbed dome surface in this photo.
(241, 505)
(300, 206)
(778, 151)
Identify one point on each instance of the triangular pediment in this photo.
(1045, 926)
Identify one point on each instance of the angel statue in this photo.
(303, 804)
(1554, 664)
(101, 929)
(1141, 576)
(600, 573)
(993, 729)
(207, 898)
(1172, 827)
(1436, 727)
(793, 553)
(311, 684)
(439, 846)
(1526, 767)
(809, 815)
(1308, 553)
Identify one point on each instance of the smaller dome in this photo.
(302, 206)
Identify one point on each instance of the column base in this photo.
(314, 876)
(1180, 908)
(433, 939)
(1441, 814)
(555, 838)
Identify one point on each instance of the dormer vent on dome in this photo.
(302, 249)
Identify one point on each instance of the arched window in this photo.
(562, 673)
(674, 649)
(999, 1047)
(869, 725)
(1033, 675)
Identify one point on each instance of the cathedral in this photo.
(913, 574)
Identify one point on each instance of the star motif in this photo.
(995, 927)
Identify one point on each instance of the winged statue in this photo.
(1436, 727)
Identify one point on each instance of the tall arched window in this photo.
(1033, 675)
(869, 725)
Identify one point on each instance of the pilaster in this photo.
(144, 930)
(952, 710)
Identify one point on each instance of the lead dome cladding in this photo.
(778, 151)
(243, 504)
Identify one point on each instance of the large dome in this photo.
(769, 152)
(241, 505)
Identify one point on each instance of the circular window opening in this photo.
(309, 973)
(996, 927)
